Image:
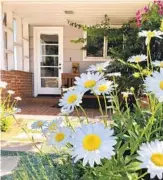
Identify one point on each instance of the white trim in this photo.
(2, 57)
(25, 39)
(7, 29)
(18, 44)
(37, 31)
(8, 51)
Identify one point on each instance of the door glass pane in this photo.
(49, 82)
(49, 49)
(49, 39)
(49, 61)
(49, 72)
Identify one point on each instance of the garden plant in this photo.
(124, 144)
(7, 108)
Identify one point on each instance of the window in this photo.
(98, 46)
(15, 40)
(5, 47)
(5, 41)
(95, 44)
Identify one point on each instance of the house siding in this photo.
(18, 81)
(72, 52)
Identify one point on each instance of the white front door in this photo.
(49, 57)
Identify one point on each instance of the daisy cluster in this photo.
(154, 80)
(93, 81)
(94, 141)
(90, 142)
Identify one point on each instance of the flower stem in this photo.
(85, 114)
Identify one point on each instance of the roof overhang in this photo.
(52, 12)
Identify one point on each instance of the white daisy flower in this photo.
(116, 74)
(88, 81)
(11, 92)
(151, 156)
(53, 125)
(18, 98)
(38, 124)
(137, 58)
(60, 137)
(93, 142)
(100, 67)
(65, 112)
(149, 35)
(154, 84)
(158, 63)
(103, 87)
(3, 84)
(70, 99)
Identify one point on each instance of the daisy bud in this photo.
(136, 75)
(11, 92)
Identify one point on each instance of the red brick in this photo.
(18, 81)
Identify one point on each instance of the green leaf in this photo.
(134, 166)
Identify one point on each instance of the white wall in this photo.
(70, 50)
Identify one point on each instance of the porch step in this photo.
(51, 100)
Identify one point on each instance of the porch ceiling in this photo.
(85, 12)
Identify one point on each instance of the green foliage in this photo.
(6, 123)
(47, 167)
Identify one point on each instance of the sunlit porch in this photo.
(37, 40)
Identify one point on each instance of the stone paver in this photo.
(8, 164)
(20, 146)
(35, 136)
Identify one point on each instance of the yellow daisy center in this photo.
(103, 88)
(161, 64)
(137, 59)
(39, 124)
(52, 126)
(59, 137)
(157, 159)
(90, 84)
(91, 142)
(72, 98)
(161, 85)
(150, 34)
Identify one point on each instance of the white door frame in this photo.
(37, 32)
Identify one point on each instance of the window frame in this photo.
(105, 47)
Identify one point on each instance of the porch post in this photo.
(2, 64)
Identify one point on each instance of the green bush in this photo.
(6, 123)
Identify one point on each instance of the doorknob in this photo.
(59, 68)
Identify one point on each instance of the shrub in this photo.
(6, 123)
(7, 108)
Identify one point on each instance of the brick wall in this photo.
(18, 81)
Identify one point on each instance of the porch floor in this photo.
(37, 107)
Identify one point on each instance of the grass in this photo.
(33, 166)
